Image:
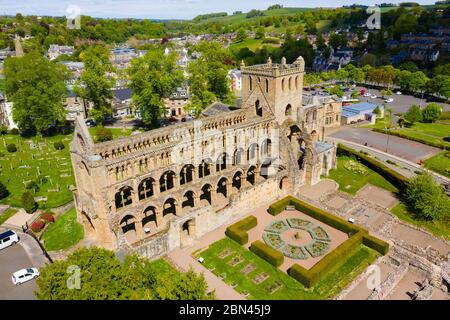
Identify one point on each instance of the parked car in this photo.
(366, 94)
(389, 100)
(8, 238)
(374, 96)
(398, 92)
(24, 275)
(90, 122)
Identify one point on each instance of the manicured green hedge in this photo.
(238, 230)
(310, 277)
(441, 145)
(314, 212)
(376, 244)
(392, 176)
(274, 257)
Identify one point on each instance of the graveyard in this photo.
(36, 160)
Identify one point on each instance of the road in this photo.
(22, 255)
(403, 148)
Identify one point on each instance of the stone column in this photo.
(176, 181)
(155, 188)
(191, 227)
(159, 219)
(139, 230)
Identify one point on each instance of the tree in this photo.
(103, 134)
(260, 33)
(241, 35)
(427, 199)
(104, 277)
(94, 84)
(28, 202)
(36, 87)
(3, 191)
(432, 112)
(153, 77)
(418, 82)
(377, 111)
(414, 114)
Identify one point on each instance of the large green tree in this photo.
(432, 112)
(152, 78)
(95, 83)
(414, 114)
(36, 87)
(427, 199)
(102, 276)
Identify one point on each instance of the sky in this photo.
(162, 9)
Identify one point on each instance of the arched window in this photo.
(290, 83)
(282, 85)
(123, 197)
(258, 108)
(288, 111)
(267, 85)
(250, 82)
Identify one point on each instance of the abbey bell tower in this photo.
(274, 88)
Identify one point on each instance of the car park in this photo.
(24, 275)
(8, 238)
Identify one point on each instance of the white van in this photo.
(8, 238)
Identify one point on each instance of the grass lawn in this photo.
(64, 233)
(252, 44)
(352, 175)
(379, 124)
(433, 132)
(7, 214)
(439, 228)
(440, 163)
(37, 160)
(291, 289)
(117, 132)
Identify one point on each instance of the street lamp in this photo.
(387, 143)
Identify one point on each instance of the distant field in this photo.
(252, 44)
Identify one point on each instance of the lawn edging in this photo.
(392, 176)
(238, 231)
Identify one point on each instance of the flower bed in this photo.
(356, 167)
(317, 248)
(273, 239)
(279, 226)
(294, 252)
(318, 233)
(297, 223)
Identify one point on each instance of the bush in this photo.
(42, 179)
(32, 185)
(103, 134)
(391, 162)
(11, 147)
(14, 131)
(59, 145)
(28, 202)
(3, 130)
(392, 176)
(272, 256)
(37, 225)
(47, 217)
(310, 277)
(237, 231)
(271, 40)
(376, 244)
(2, 154)
(3, 191)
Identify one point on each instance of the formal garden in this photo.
(255, 270)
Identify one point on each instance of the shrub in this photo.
(237, 231)
(392, 176)
(28, 202)
(271, 40)
(272, 256)
(14, 131)
(47, 217)
(42, 179)
(37, 225)
(391, 162)
(432, 112)
(103, 134)
(11, 147)
(3, 130)
(32, 185)
(3, 191)
(2, 154)
(376, 244)
(59, 145)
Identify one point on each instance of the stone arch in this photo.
(204, 169)
(238, 156)
(188, 199)
(128, 227)
(266, 148)
(284, 183)
(222, 187)
(258, 108)
(265, 168)
(252, 151)
(314, 136)
(123, 197)
(222, 162)
(206, 193)
(187, 174)
(149, 219)
(251, 175)
(170, 207)
(288, 110)
(237, 180)
(145, 189)
(166, 181)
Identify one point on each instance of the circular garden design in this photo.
(297, 238)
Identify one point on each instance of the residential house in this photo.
(54, 51)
